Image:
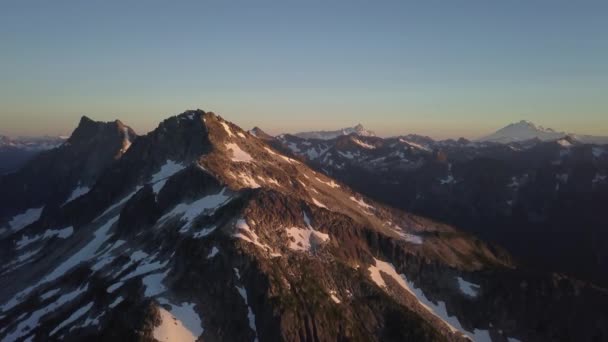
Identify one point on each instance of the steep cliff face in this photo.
(202, 230)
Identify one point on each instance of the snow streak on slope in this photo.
(439, 310)
(24, 219)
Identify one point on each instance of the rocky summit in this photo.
(201, 231)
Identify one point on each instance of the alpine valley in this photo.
(201, 231)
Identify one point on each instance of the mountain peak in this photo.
(521, 131)
(327, 135)
(260, 133)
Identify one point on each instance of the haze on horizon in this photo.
(442, 69)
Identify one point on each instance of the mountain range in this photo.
(14, 152)
(551, 192)
(325, 135)
(200, 230)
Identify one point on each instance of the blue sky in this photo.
(442, 68)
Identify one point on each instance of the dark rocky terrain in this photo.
(542, 200)
(201, 230)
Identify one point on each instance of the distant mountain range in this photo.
(325, 135)
(515, 132)
(15, 152)
(546, 189)
(200, 230)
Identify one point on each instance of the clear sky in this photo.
(441, 68)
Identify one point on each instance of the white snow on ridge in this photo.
(190, 211)
(154, 284)
(363, 144)
(329, 183)
(73, 317)
(84, 254)
(244, 232)
(317, 203)
(116, 301)
(250, 315)
(270, 151)
(213, 252)
(28, 323)
(171, 329)
(334, 297)
(227, 128)
(305, 240)
(118, 204)
(467, 288)
(166, 170)
(238, 155)
(564, 143)
(361, 203)
(79, 191)
(439, 310)
(415, 145)
(24, 219)
(185, 313)
(60, 233)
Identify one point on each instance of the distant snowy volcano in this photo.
(326, 135)
(526, 130)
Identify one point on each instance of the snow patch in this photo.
(213, 252)
(227, 128)
(49, 233)
(171, 329)
(329, 183)
(244, 232)
(116, 302)
(24, 219)
(317, 203)
(166, 170)
(73, 317)
(334, 297)
(250, 315)
(361, 203)
(270, 151)
(248, 180)
(467, 288)
(415, 145)
(79, 191)
(190, 211)
(363, 144)
(31, 321)
(305, 240)
(154, 284)
(439, 310)
(238, 155)
(564, 143)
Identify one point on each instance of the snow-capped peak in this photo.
(327, 135)
(521, 131)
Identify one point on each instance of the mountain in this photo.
(201, 230)
(536, 198)
(15, 152)
(326, 135)
(525, 130)
(59, 175)
(259, 133)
